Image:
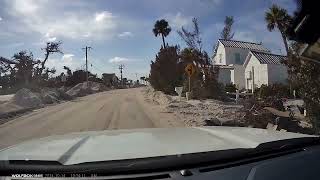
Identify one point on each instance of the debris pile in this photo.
(156, 97)
(209, 112)
(195, 112)
(25, 98)
(205, 112)
(86, 88)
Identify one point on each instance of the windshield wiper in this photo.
(287, 144)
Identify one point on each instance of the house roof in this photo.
(243, 45)
(268, 58)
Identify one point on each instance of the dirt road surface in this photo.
(4, 98)
(116, 109)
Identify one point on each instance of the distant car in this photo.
(172, 153)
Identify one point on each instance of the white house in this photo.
(264, 68)
(230, 57)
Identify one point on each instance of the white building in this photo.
(230, 57)
(264, 68)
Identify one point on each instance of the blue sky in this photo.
(120, 31)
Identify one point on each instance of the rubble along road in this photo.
(115, 109)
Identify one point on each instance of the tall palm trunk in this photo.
(287, 51)
(285, 42)
(164, 44)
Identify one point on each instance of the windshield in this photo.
(86, 67)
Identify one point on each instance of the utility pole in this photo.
(137, 77)
(121, 68)
(87, 72)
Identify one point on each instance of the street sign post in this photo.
(190, 70)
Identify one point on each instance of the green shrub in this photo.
(274, 90)
(204, 88)
(230, 88)
(166, 73)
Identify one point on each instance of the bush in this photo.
(208, 87)
(230, 88)
(274, 90)
(166, 73)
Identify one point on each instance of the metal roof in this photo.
(243, 45)
(267, 58)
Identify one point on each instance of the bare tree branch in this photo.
(192, 38)
(51, 47)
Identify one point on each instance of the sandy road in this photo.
(117, 109)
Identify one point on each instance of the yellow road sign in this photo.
(190, 69)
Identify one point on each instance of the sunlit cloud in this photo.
(103, 16)
(177, 20)
(125, 34)
(70, 24)
(67, 59)
(119, 59)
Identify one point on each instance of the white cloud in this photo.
(67, 57)
(119, 59)
(49, 38)
(25, 6)
(52, 39)
(178, 20)
(0, 18)
(83, 23)
(103, 16)
(86, 35)
(125, 34)
(66, 60)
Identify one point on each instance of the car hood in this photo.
(111, 145)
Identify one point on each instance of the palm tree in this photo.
(161, 27)
(278, 17)
(226, 32)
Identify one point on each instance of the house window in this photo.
(220, 58)
(237, 58)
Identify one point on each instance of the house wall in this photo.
(224, 76)
(220, 53)
(277, 74)
(260, 73)
(230, 55)
(238, 76)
